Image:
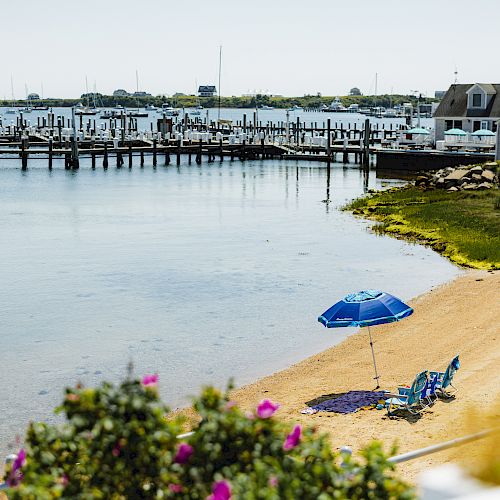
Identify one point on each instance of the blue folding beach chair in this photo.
(409, 399)
(444, 380)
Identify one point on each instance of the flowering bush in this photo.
(117, 444)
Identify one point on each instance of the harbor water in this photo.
(197, 273)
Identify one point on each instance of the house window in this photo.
(476, 126)
(476, 100)
(457, 124)
(484, 125)
(448, 124)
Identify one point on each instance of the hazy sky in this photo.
(287, 47)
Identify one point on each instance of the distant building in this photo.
(207, 90)
(120, 93)
(141, 93)
(470, 107)
(33, 97)
(439, 94)
(355, 91)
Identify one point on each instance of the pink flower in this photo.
(64, 480)
(175, 488)
(184, 452)
(150, 380)
(266, 408)
(273, 481)
(116, 450)
(221, 490)
(293, 439)
(249, 415)
(230, 404)
(16, 476)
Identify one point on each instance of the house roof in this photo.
(206, 88)
(454, 103)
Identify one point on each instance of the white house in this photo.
(469, 107)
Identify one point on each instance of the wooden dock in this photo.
(57, 137)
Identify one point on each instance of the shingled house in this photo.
(469, 107)
(207, 90)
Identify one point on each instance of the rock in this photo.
(488, 175)
(476, 177)
(492, 165)
(452, 189)
(476, 170)
(456, 175)
(440, 182)
(485, 185)
(469, 187)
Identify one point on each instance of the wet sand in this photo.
(461, 317)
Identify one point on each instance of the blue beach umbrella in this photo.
(366, 308)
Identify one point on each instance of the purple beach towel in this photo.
(351, 401)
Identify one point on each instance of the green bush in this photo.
(118, 444)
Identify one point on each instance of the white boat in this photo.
(150, 107)
(169, 110)
(390, 113)
(11, 111)
(295, 108)
(194, 112)
(336, 106)
(353, 108)
(266, 108)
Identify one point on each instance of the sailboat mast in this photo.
(220, 65)
(87, 91)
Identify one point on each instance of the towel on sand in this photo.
(351, 401)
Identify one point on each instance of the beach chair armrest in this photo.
(403, 391)
(398, 396)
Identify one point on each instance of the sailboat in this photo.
(41, 106)
(137, 113)
(28, 108)
(12, 110)
(197, 110)
(87, 110)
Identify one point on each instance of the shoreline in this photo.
(402, 349)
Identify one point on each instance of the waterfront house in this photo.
(469, 107)
(207, 90)
(120, 93)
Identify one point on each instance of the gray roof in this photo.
(454, 103)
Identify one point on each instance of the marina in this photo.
(120, 141)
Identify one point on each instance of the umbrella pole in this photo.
(377, 376)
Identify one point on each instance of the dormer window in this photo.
(476, 100)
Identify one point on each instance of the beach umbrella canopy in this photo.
(455, 131)
(366, 308)
(483, 133)
(417, 131)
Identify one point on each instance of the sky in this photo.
(286, 47)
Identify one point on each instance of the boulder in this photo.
(476, 177)
(469, 187)
(452, 189)
(456, 175)
(491, 165)
(485, 185)
(488, 175)
(476, 170)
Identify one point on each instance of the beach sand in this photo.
(460, 317)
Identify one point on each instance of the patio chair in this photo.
(409, 399)
(444, 379)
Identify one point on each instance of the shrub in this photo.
(117, 444)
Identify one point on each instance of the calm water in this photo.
(198, 274)
(235, 114)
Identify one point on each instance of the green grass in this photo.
(463, 226)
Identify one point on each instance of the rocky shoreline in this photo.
(461, 178)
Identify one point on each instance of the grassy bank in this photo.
(463, 226)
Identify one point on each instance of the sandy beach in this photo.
(459, 317)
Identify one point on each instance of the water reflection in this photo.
(197, 273)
